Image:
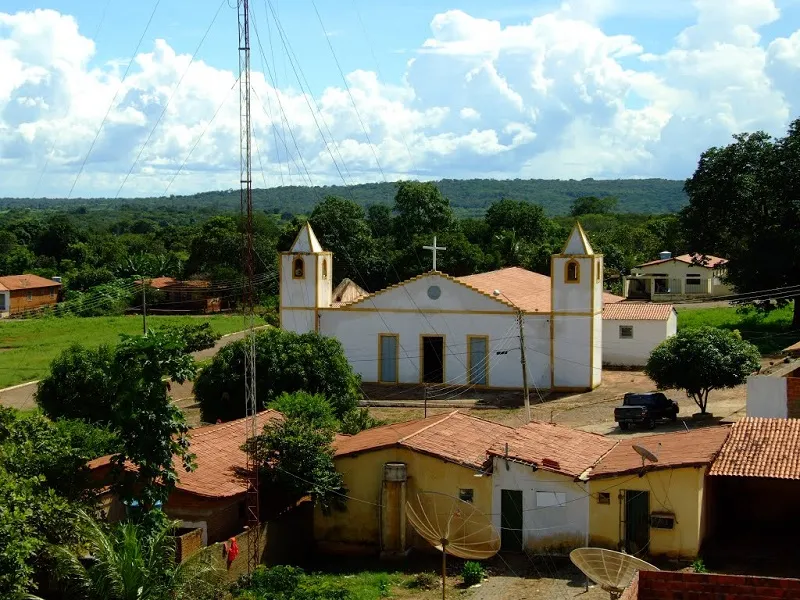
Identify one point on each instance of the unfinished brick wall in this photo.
(669, 585)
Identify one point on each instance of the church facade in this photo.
(462, 332)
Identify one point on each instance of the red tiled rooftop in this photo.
(674, 449)
(554, 447)
(25, 282)
(760, 447)
(454, 437)
(525, 289)
(706, 260)
(637, 311)
(671, 585)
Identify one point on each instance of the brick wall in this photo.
(38, 297)
(669, 585)
(187, 544)
(793, 397)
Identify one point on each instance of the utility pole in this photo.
(525, 391)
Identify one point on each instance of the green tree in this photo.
(296, 446)
(285, 362)
(526, 220)
(744, 205)
(314, 409)
(131, 562)
(421, 209)
(592, 205)
(701, 360)
(379, 219)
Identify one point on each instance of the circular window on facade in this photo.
(434, 292)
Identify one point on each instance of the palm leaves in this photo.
(131, 562)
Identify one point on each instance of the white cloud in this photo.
(554, 96)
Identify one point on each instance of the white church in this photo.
(439, 329)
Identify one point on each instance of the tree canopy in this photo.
(700, 360)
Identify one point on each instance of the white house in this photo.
(464, 331)
(631, 330)
(540, 500)
(677, 277)
(775, 392)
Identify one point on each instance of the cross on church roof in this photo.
(433, 249)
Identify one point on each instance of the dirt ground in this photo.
(590, 411)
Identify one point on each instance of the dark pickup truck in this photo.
(645, 409)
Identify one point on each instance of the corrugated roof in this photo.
(674, 449)
(455, 437)
(701, 260)
(760, 447)
(525, 289)
(554, 447)
(637, 311)
(220, 461)
(24, 282)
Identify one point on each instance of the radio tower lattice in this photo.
(246, 206)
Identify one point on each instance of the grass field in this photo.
(28, 346)
(771, 332)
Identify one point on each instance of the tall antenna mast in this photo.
(246, 207)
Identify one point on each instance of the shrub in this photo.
(357, 420)
(286, 583)
(285, 362)
(424, 581)
(311, 408)
(698, 566)
(472, 572)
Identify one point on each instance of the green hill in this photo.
(468, 197)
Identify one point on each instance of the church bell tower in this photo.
(576, 324)
(306, 275)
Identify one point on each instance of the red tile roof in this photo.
(671, 585)
(637, 311)
(218, 456)
(760, 447)
(675, 449)
(525, 289)
(455, 437)
(709, 261)
(25, 282)
(159, 282)
(554, 447)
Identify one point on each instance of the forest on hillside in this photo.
(468, 198)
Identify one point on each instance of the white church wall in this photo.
(597, 348)
(598, 284)
(359, 330)
(298, 292)
(572, 297)
(555, 507)
(631, 351)
(572, 352)
(298, 321)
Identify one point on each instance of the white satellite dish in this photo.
(612, 571)
(645, 454)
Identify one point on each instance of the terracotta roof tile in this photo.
(673, 449)
(691, 259)
(24, 282)
(528, 290)
(760, 447)
(554, 447)
(218, 456)
(637, 311)
(454, 437)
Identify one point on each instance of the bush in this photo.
(472, 572)
(285, 362)
(311, 408)
(424, 581)
(357, 420)
(698, 566)
(286, 583)
(198, 336)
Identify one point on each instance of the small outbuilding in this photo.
(22, 293)
(631, 330)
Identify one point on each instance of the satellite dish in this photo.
(645, 454)
(613, 571)
(453, 526)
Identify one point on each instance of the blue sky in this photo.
(589, 88)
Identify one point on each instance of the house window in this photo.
(626, 332)
(298, 269)
(466, 495)
(662, 521)
(29, 296)
(692, 282)
(477, 363)
(573, 272)
(324, 268)
(388, 357)
(2, 301)
(604, 498)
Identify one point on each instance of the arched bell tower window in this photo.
(324, 268)
(298, 268)
(573, 272)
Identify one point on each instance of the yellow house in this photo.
(657, 509)
(385, 466)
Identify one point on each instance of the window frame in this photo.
(396, 337)
(604, 498)
(324, 268)
(485, 338)
(567, 266)
(466, 495)
(625, 327)
(302, 262)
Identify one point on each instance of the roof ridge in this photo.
(486, 420)
(442, 420)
